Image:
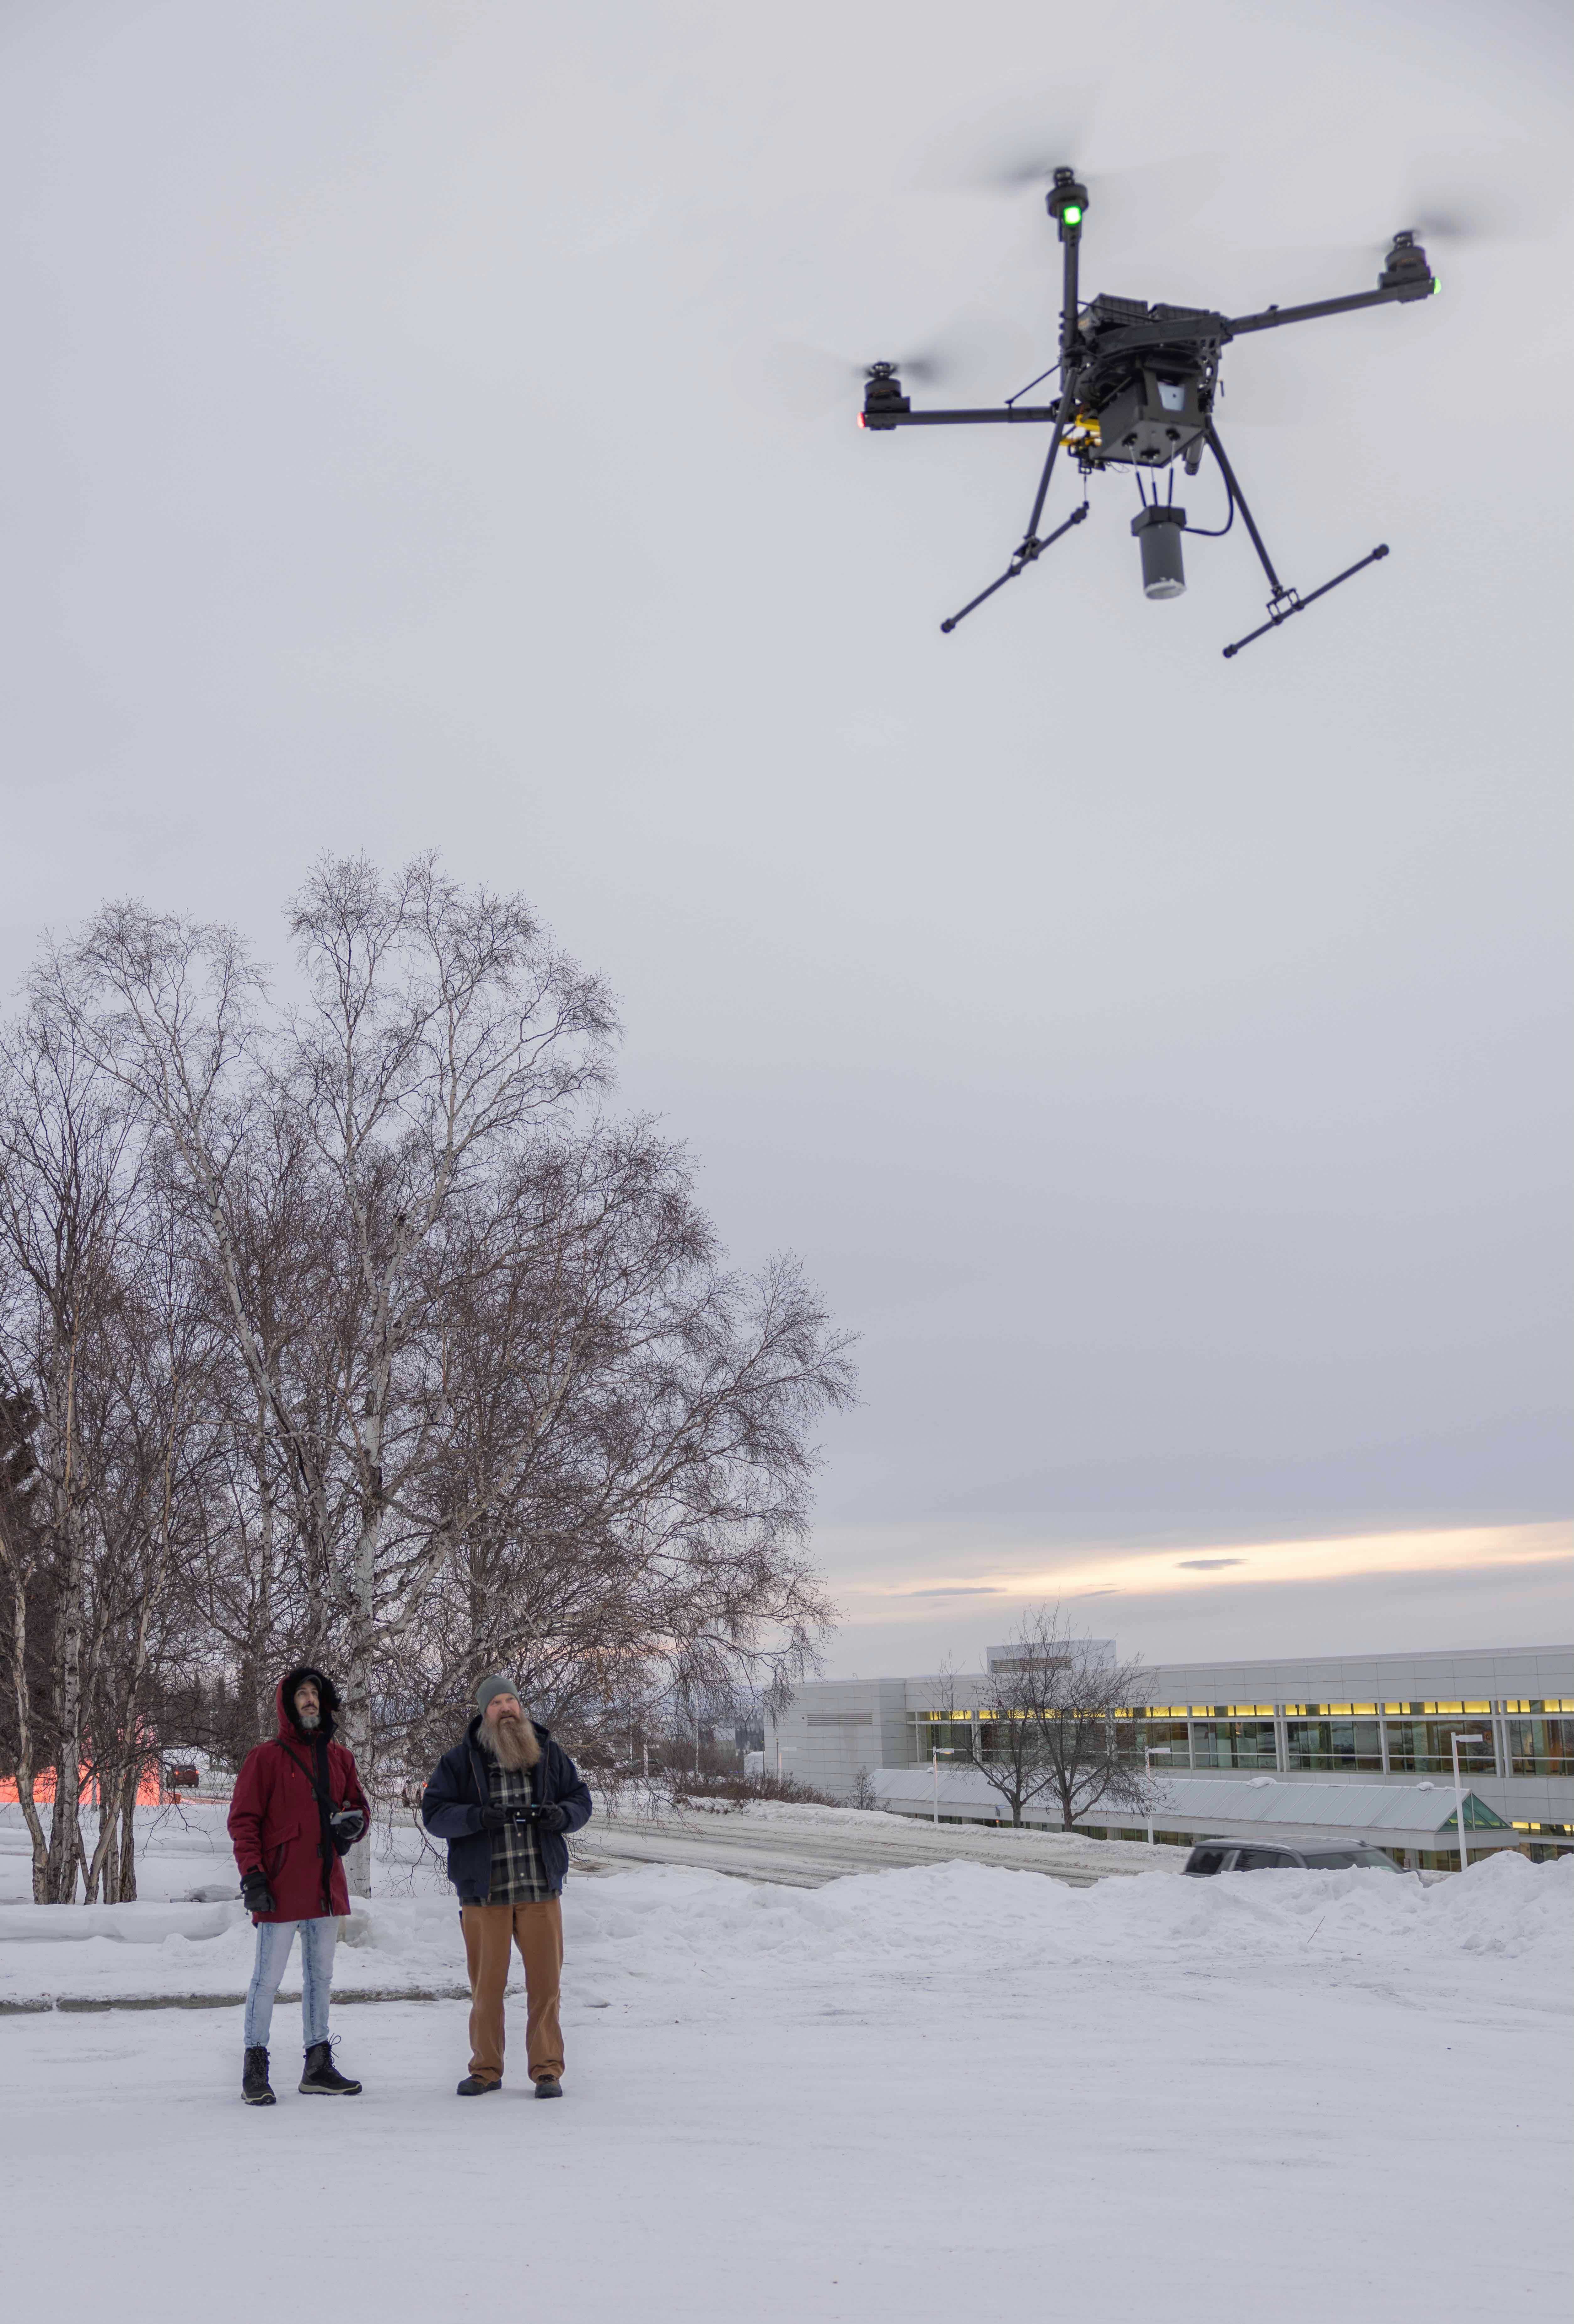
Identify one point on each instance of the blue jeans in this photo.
(274, 1939)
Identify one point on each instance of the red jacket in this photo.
(275, 1822)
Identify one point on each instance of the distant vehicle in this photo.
(1273, 1856)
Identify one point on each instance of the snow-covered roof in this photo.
(1210, 1803)
(1355, 1807)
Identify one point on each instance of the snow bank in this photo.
(933, 1919)
(678, 1926)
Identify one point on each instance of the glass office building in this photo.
(1384, 1720)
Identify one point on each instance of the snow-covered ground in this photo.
(769, 1839)
(942, 2089)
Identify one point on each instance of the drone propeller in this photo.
(811, 380)
(1145, 198)
(1508, 196)
(928, 370)
(1018, 152)
(1454, 225)
(1013, 147)
(1452, 200)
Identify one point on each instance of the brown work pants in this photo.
(490, 1932)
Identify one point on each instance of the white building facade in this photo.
(1367, 1719)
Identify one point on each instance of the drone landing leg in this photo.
(1274, 584)
(1031, 547)
(1284, 602)
(1029, 550)
(1299, 604)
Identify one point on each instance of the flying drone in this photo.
(1138, 386)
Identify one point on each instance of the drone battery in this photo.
(1158, 530)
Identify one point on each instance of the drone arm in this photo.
(1019, 411)
(1202, 330)
(1406, 275)
(1217, 329)
(1072, 237)
(1272, 317)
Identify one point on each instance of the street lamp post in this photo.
(1454, 1742)
(1154, 1751)
(939, 1752)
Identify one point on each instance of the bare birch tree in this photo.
(477, 1384)
(1044, 1728)
(71, 1158)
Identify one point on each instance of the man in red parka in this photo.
(298, 1808)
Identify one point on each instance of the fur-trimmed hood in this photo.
(291, 1730)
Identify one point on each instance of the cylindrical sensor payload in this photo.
(1159, 531)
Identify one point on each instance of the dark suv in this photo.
(1273, 1856)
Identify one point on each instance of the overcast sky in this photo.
(422, 429)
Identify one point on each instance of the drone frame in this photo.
(1190, 333)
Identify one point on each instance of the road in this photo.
(806, 1854)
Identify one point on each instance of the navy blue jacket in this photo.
(459, 1788)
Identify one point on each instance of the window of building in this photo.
(1454, 1710)
(1421, 1747)
(1333, 1745)
(1246, 1743)
(935, 1730)
(1148, 1733)
(1540, 1747)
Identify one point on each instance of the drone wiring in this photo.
(1206, 532)
(1012, 400)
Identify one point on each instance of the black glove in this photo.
(346, 1824)
(551, 1818)
(494, 1818)
(255, 1892)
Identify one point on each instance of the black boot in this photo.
(255, 2084)
(547, 2086)
(322, 2077)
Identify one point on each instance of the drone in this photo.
(1137, 389)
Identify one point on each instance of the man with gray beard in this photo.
(504, 1799)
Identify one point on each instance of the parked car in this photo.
(1273, 1856)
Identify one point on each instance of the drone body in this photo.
(1139, 385)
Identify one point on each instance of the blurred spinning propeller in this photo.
(810, 380)
(1018, 152)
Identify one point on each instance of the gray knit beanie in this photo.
(489, 1687)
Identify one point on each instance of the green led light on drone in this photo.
(1072, 214)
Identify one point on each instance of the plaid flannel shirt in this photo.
(516, 1878)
